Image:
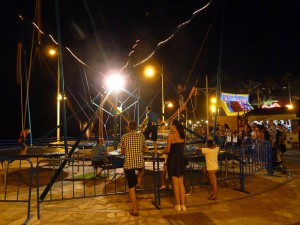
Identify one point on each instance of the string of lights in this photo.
(158, 46)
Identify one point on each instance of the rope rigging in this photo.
(84, 79)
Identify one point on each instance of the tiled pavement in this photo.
(267, 200)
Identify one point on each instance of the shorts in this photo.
(23, 145)
(131, 177)
(97, 164)
(282, 147)
(151, 129)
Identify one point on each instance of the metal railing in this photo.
(78, 178)
(17, 175)
(79, 172)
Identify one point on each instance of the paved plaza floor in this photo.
(267, 200)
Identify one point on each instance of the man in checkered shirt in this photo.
(133, 144)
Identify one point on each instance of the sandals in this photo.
(138, 188)
(212, 198)
(133, 213)
(163, 187)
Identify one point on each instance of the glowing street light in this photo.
(150, 71)
(54, 53)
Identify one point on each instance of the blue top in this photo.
(153, 117)
(98, 152)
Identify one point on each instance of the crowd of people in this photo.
(275, 134)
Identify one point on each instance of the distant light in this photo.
(213, 100)
(289, 106)
(169, 104)
(59, 97)
(213, 108)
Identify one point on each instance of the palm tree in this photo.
(270, 85)
(291, 84)
(248, 87)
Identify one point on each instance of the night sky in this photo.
(260, 38)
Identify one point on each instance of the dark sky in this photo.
(260, 38)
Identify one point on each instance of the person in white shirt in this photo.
(211, 153)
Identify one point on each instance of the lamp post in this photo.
(162, 94)
(150, 71)
(53, 52)
(207, 92)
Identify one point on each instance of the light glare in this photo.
(115, 82)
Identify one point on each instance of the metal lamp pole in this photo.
(206, 91)
(58, 102)
(115, 123)
(162, 94)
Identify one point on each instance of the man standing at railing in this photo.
(133, 145)
(152, 122)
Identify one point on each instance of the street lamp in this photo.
(207, 92)
(150, 71)
(53, 52)
(213, 107)
(115, 82)
(168, 105)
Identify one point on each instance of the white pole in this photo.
(162, 94)
(207, 109)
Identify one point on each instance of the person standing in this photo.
(176, 162)
(281, 139)
(152, 122)
(272, 132)
(211, 153)
(133, 145)
(246, 142)
(22, 141)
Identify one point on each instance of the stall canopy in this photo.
(278, 113)
(235, 104)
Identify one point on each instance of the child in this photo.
(211, 157)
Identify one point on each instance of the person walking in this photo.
(152, 122)
(133, 144)
(211, 153)
(176, 162)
